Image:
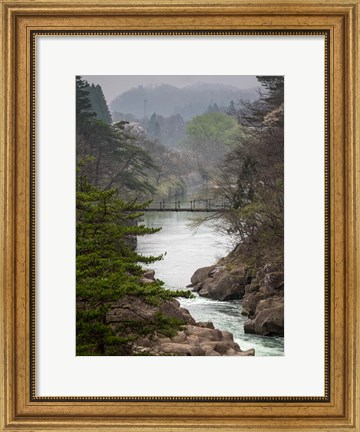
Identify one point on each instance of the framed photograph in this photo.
(180, 216)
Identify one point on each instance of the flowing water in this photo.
(188, 249)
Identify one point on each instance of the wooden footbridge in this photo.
(195, 205)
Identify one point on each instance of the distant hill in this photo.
(167, 100)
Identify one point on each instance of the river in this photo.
(186, 250)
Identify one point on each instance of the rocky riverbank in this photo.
(261, 291)
(191, 339)
(263, 302)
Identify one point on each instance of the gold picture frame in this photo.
(21, 410)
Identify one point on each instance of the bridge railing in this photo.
(196, 204)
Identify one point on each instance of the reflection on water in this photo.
(187, 250)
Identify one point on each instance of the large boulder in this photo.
(250, 302)
(263, 302)
(221, 283)
(268, 322)
(132, 308)
(171, 308)
(201, 274)
(269, 303)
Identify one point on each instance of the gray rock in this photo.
(219, 283)
(204, 289)
(179, 349)
(207, 324)
(250, 302)
(149, 274)
(274, 280)
(201, 274)
(263, 302)
(172, 309)
(227, 287)
(269, 303)
(146, 281)
(249, 352)
(196, 288)
(249, 327)
(270, 322)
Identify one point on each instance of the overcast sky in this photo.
(113, 85)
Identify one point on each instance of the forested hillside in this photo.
(167, 100)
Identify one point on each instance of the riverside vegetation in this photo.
(236, 153)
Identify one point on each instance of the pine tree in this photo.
(99, 104)
(84, 109)
(154, 127)
(231, 110)
(112, 155)
(107, 269)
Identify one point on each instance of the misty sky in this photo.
(113, 85)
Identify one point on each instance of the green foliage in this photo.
(113, 158)
(274, 90)
(98, 103)
(116, 159)
(84, 110)
(168, 326)
(108, 269)
(210, 136)
(161, 325)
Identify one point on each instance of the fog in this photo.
(113, 85)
